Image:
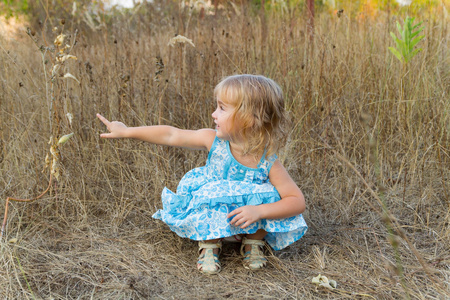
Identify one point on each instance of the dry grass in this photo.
(93, 236)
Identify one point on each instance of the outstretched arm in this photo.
(292, 201)
(160, 134)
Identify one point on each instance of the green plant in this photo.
(11, 8)
(406, 43)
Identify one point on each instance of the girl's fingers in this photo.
(106, 135)
(103, 119)
(239, 221)
(234, 212)
(235, 220)
(245, 225)
(108, 124)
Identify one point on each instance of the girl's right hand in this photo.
(116, 129)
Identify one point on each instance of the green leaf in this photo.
(414, 34)
(415, 41)
(396, 53)
(417, 32)
(397, 41)
(399, 28)
(404, 34)
(412, 54)
(417, 25)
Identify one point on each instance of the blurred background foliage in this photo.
(39, 10)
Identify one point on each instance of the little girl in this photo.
(243, 190)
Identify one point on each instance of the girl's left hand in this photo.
(245, 216)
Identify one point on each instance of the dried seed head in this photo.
(180, 39)
(47, 163)
(68, 75)
(69, 117)
(65, 138)
(198, 5)
(65, 57)
(55, 161)
(62, 21)
(55, 168)
(59, 40)
(55, 69)
(54, 151)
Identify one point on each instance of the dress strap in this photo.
(270, 161)
(264, 155)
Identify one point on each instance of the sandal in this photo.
(253, 259)
(208, 262)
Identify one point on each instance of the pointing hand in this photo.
(116, 129)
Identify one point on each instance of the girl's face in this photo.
(222, 118)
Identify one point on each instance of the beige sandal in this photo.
(253, 259)
(208, 262)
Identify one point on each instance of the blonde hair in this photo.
(258, 111)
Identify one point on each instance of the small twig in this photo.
(22, 200)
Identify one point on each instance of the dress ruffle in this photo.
(207, 223)
(226, 195)
(206, 195)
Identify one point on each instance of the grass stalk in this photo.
(25, 277)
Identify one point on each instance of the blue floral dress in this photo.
(205, 195)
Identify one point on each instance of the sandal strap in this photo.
(254, 259)
(208, 262)
(208, 257)
(203, 245)
(246, 241)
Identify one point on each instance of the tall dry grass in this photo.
(366, 133)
